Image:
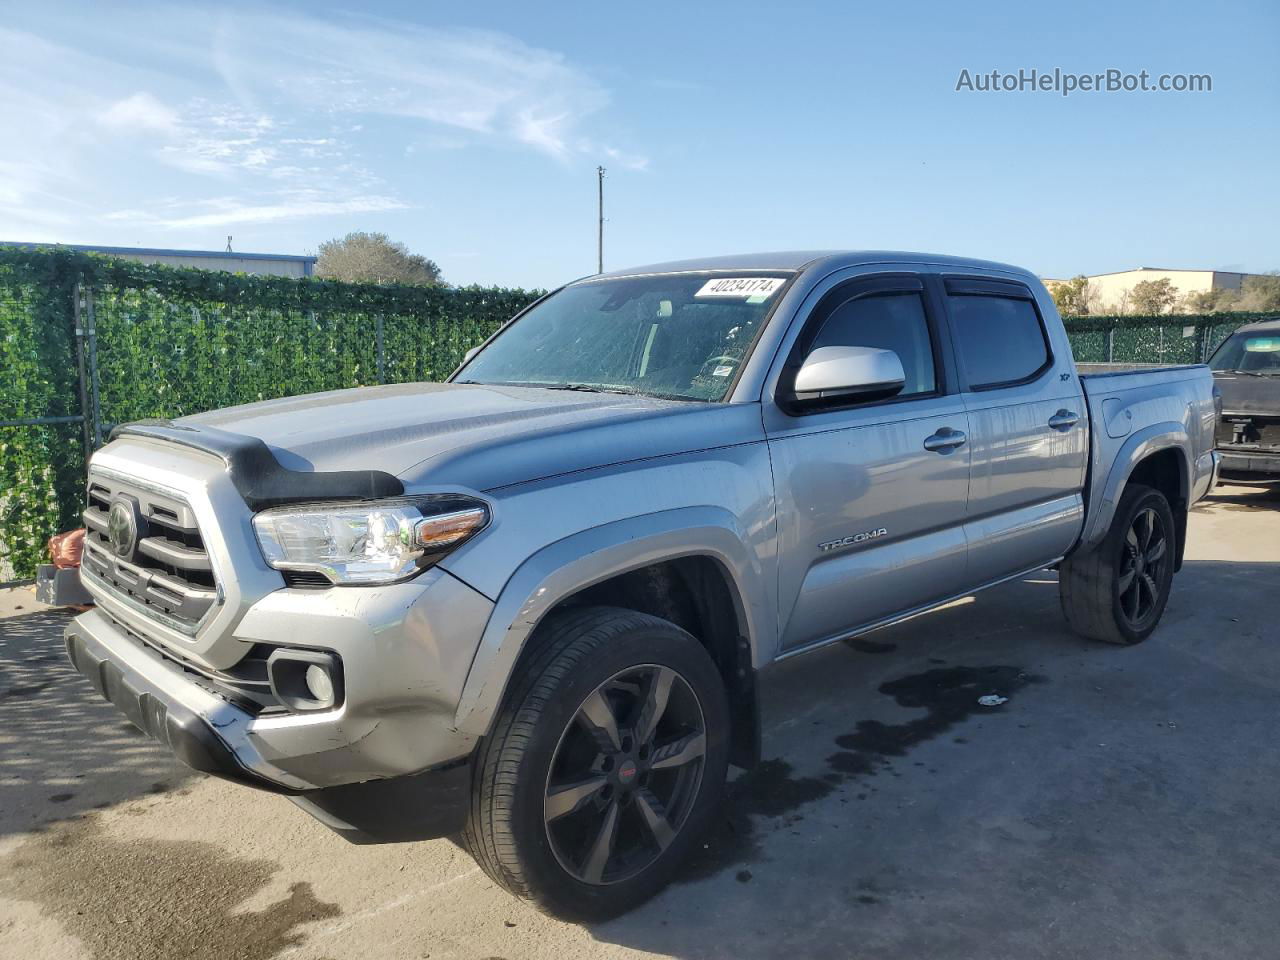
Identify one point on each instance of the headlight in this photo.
(378, 541)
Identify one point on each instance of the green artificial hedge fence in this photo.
(171, 341)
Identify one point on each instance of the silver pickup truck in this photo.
(529, 605)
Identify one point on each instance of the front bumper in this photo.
(1249, 464)
(202, 730)
(405, 651)
(209, 735)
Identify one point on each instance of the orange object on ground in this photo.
(65, 549)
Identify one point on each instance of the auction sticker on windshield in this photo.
(755, 289)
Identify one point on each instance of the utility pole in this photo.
(600, 222)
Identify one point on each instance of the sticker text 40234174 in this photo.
(754, 289)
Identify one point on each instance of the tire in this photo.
(541, 840)
(1097, 591)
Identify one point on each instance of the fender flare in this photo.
(579, 561)
(1147, 441)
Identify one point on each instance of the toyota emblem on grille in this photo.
(122, 529)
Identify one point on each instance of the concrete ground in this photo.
(1121, 804)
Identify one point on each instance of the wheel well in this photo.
(1165, 470)
(695, 594)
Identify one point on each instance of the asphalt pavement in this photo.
(1121, 803)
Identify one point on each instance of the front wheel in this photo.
(604, 766)
(1117, 591)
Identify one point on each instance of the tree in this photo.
(1073, 296)
(1212, 301)
(1260, 292)
(1154, 296)
(374, 258)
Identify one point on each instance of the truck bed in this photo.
(1125, 398)
(1094, 370)
(1111, 378)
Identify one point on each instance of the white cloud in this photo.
(221, 140)
(287, 115)
(142, 111)
(43, 136)
(628, 161)
(479, 81)
(229, 210)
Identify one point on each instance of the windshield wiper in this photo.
(1249, 373)
(585, 388)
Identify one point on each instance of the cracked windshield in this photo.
(676, 336)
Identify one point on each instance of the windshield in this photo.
(680, 336)
(1248, 353)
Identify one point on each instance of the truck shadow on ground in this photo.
(65, 750)
(1241, 497)
(909, 819)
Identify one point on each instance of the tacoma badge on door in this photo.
(851, 541)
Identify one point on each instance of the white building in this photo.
(1111, 292)
(275, 264)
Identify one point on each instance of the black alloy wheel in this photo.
(1140, 573)
(625, 774)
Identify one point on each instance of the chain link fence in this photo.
(1159, 340)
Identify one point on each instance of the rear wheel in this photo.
(604, 766)
(1117, 591)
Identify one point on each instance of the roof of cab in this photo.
(1269, 325)
(804, 259)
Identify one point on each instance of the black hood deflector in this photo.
(258, 475)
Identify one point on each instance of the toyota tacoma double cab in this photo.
(529, 605)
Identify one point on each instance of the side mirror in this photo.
(466, 357)
(855, 373)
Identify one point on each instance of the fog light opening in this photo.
(305, 680)
(319, 684)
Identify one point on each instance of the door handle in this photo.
(945, 440)
(1064, 420)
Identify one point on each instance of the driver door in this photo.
(871, 496)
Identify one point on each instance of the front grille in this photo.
(306, 578)
(1248, 430)
(245, 684)
(166, 573)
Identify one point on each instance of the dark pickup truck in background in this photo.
(1246, 370)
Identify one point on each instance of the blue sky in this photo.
(472, 132)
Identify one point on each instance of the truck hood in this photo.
(478, 436)
(1242, 393)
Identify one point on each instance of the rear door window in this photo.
(1001, 340)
